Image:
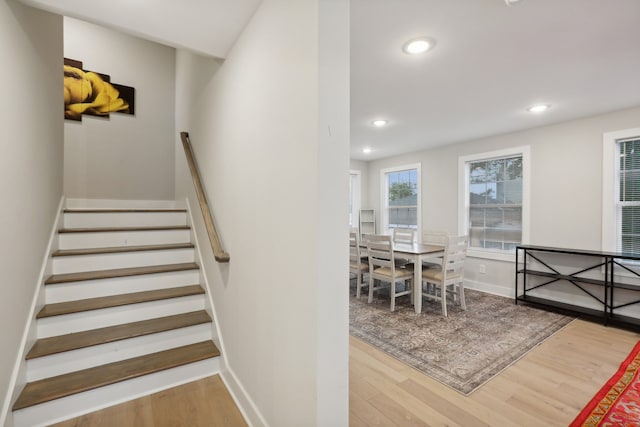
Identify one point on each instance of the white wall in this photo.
(124, 157)
(566, 187)
(363, 167)
(31, 150)
(278, 186)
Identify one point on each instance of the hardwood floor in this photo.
(547, 387)
(202, 403)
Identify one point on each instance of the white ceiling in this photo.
(209, 27)
(490, 63)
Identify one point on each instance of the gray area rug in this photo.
(463, 350)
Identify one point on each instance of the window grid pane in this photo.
(495, 203)
(402, 203)
(628, 204)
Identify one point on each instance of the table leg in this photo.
(417, 284)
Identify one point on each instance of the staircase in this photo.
(124, 315)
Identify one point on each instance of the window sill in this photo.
(495, 255)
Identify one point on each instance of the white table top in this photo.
(417, 248)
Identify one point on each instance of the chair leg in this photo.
(358, 284)
(443, 299)
(393, 296)
(461, 292)
(370, 290)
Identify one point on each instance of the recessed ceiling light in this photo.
(418, 45)
(380, 123)
(511, 2)
(366, 150)
(538, 108)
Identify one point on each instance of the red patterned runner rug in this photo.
(617, 404)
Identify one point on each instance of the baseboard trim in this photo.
(489, 288)
(238, 393)
(29, 335)
(245, 404)
(217, 337)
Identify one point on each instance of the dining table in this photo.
(416, 253)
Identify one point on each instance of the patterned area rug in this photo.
(463, 350)
(618, 401)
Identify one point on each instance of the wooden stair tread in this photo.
(121, 249)
(88, 379)
(119, 272)
(77, 340)
(125, 210)
(78, 306)
(119, 229)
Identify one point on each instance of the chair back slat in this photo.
(354, 245)
(404, 235)
(382, 268)
(357, 265)
(433, 237)
(455, 255)
(450, 278)
(380, 250)
(354, 248)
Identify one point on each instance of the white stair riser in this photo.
(72, 291)
(128, 219)
(122, 238)
(82, 403)
(74, 203)
(70, 361)
(79, 263)
(93, 319)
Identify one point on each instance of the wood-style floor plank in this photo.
(202, 403)
(78, 306)
(119, 272)
(88, 379)
(548, 386)
(121, 249)
(77, 340)
(119, 229)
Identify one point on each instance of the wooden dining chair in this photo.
(382, 268)
(357, 264)
(434, 237)
(403, 235)
(448, 278)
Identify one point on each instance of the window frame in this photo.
(464, 199)
(611, 185)
(384, 195)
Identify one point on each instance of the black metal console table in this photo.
(598, 275)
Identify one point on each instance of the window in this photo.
(494, 199)
(354, 198)
(401, 197)
(621, 191)
(628, 200)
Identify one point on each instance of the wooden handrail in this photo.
(218, 252)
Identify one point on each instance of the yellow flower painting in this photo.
(88, 92)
